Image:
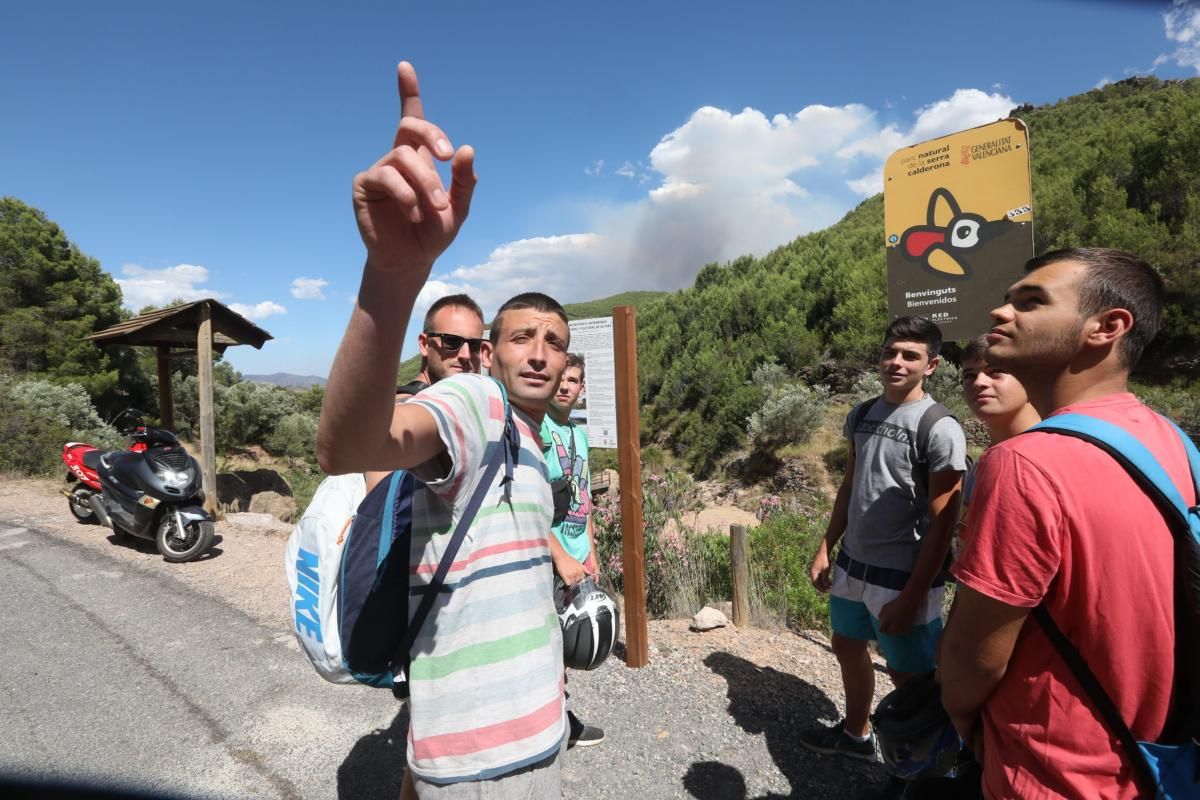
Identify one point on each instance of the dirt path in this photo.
(713, 715)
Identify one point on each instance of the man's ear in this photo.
(933, 365)
(423, 344)
(485, 354)
(1107, 327)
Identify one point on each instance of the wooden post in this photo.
(629, 457)
(208, 444)
(739, 568)
(166, 408)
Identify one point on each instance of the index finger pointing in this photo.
(410, 91)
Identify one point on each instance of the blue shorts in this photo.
(910, 652)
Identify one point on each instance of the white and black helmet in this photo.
(914, 731)
(590, 622)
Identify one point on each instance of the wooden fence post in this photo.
(629, 456)
(208, 443)
(739, 568)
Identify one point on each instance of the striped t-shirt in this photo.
(486, 680)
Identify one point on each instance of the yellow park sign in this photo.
(958, 222)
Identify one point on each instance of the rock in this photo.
(707, 619)
(234, 489)
(277, 505)
(265, 522)
(725, 608)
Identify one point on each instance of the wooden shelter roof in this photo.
(178, 326)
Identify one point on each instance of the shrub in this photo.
(37, 417)
(790, 412)
(249, 412)
(781, 551)
(866, 386)
(1179, 402)
(945, 386)
(295, 437)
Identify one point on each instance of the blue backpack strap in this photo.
(387, 518)
(1193, 456)
(1184, 523)
(502, 453)
(1133, 456)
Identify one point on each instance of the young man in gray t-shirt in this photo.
(895, 518)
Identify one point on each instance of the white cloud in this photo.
(143, 287)
(1105, 81)
(721, 185)
(309, 288)
(966, 108)
(595, 168)
(1182, 26)
(266, 308)
(570, 267)
(869, 184)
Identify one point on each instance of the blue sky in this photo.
(207, 149)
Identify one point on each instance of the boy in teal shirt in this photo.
(573, 545)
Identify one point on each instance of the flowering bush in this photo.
(666, 553)
(768, 504)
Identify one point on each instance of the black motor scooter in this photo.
(152, 491)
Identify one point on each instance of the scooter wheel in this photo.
(81, 510)
(178, 546)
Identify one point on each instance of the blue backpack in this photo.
(1170, 768)
(350, 580)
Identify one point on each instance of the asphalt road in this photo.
(123, 678)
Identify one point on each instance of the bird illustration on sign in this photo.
(944, 243)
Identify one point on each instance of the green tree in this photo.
(51, 296)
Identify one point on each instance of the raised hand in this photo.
(405, 215)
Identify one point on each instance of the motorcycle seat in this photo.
(91, 459)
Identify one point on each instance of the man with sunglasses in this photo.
(487, 717)
(451, 341)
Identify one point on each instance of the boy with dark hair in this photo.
(1058, 523)
(894, 515)
(573, 543)
(996, 398)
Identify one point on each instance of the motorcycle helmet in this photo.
(590, 622)
(914, 731)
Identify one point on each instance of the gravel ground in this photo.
(713, 715)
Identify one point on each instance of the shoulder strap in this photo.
(1104, 704)
(571, 435)
(503, 453)
(412, 387)
(860, 414)
(1131, 454)
(932, 416)
(1184, 523)
(387, 518)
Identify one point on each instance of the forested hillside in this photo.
(1115, 167)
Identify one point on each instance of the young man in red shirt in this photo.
(1057, 521)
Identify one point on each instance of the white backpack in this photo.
(312, 560)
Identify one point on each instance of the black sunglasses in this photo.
(452, 342)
